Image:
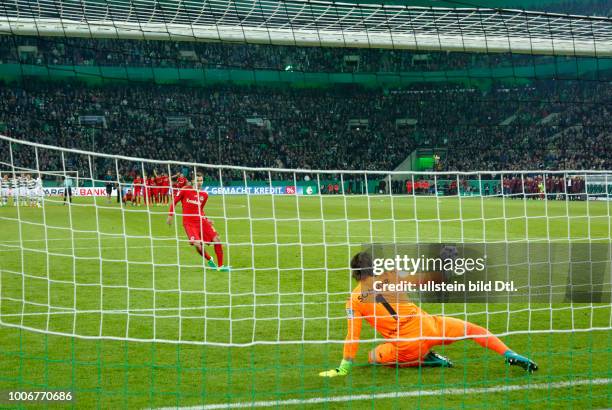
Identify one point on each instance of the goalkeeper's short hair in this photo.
(361, 266)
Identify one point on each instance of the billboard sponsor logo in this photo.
(250, 190)
(59, 191)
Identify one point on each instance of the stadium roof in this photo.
(540, 5)
(314, 23)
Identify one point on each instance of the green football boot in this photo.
(515, 359)
(433, 359)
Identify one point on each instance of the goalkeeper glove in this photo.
(342, 370)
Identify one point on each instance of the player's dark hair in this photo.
(361, 266)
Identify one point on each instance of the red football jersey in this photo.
(165, 181)
(193, 202)
(138, 182)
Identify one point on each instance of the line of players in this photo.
(23, 189)
(152, 190)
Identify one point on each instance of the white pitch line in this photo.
(412, 393)
(113, 237)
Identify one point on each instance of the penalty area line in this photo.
(412, 393)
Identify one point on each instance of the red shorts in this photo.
(200, 232)
(137, 191)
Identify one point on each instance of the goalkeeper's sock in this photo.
(487, 340)
(515, 359)
(219, 253)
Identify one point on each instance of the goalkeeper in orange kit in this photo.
(400, 319)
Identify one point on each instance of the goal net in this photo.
(94, 270)
(320, 130)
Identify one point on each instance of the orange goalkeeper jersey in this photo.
(391, 317)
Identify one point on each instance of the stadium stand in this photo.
(311, 128)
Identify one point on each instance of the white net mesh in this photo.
(100, 268)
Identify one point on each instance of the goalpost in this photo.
(106, 300)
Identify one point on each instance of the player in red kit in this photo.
(138, 189)
(198, 228)
(128, 197)
(165, 188)
(157, 192)
(150, 189)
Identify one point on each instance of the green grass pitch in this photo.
(289, 284)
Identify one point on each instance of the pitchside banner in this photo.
(211, 190)
(260, 190)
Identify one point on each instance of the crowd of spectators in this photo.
(568, 129)
(549, 125)
(529, 185)
(553, 125)
(66, 51)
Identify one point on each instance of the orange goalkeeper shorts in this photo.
(412, 352)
